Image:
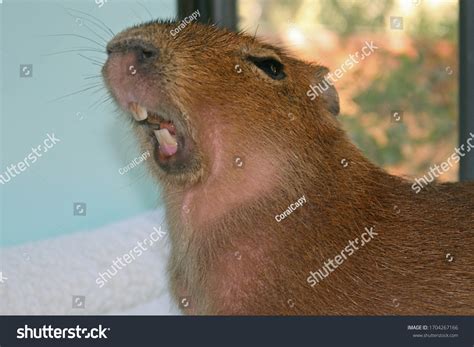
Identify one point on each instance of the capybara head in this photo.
(205, 99)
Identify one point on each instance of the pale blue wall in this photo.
(83, 167)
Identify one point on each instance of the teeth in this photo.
(168, 144)
(139, 113)
(164, 137)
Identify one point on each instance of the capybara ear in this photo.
(332, 99)
(322, 87)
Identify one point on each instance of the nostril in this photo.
(148, 53)
(143, 50)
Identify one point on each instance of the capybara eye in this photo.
(273, 68)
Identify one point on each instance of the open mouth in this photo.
(170, 141)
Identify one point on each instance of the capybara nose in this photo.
(144, 51)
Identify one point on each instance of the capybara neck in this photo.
(271, 209)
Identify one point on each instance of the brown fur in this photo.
(229, 255)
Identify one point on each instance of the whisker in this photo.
(77, 92)
(88, 20)
(76, 35)
(91, 59)
(137, 15)
(146, 9)
(255, 35)
(96, 34)
(74, 50)
(95, 19)
(100, 102)
(97, 101)
(92, 84)
(91, 77)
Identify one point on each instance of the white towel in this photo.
(60, 276)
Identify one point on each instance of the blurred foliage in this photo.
(411, 87)
(414, 71)
(351, 17)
